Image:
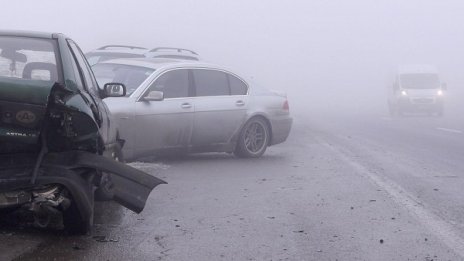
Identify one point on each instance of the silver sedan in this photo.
(176, 106)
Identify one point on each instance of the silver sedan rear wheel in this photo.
(253, 139)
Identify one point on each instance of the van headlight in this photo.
(440, 93)
(404, 93)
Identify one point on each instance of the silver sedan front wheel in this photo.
(254, 139)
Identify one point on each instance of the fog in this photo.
(338, 176)
(334, 53)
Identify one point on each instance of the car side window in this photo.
(237, 86)
(173, 84)
(210, 83)
(89, 79)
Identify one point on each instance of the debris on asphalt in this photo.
(104, 239)
(75, 247)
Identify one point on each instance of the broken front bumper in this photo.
(74, 170)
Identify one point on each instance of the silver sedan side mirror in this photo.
(114, 90)
(154, 96)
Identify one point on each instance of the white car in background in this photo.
(175, 106)
(417, 88)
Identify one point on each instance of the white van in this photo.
(416, 89)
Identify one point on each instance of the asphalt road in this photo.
(346, 186)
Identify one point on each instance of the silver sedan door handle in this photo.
(239, 103)
(186, 105)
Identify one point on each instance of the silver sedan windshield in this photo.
(130, 76)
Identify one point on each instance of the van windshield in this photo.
(420, 81)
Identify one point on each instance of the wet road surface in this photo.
(359, 186)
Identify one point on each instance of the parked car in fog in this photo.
(173, 53)
(187, 107)
(416, 89)
(108, 52)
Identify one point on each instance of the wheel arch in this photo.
(251, 117)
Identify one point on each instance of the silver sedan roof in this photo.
(162, 64)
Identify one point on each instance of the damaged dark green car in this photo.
(59, 147)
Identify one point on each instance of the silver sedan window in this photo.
(173, 84)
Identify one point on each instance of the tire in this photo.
(253, 139)
(73, 222)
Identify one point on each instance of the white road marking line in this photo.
(449, 130)
(437, 225)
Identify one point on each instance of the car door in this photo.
(218, 113)
(165, 125)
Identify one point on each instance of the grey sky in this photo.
(289, 45)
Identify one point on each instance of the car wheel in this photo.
(74, 223)
(253, 139)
